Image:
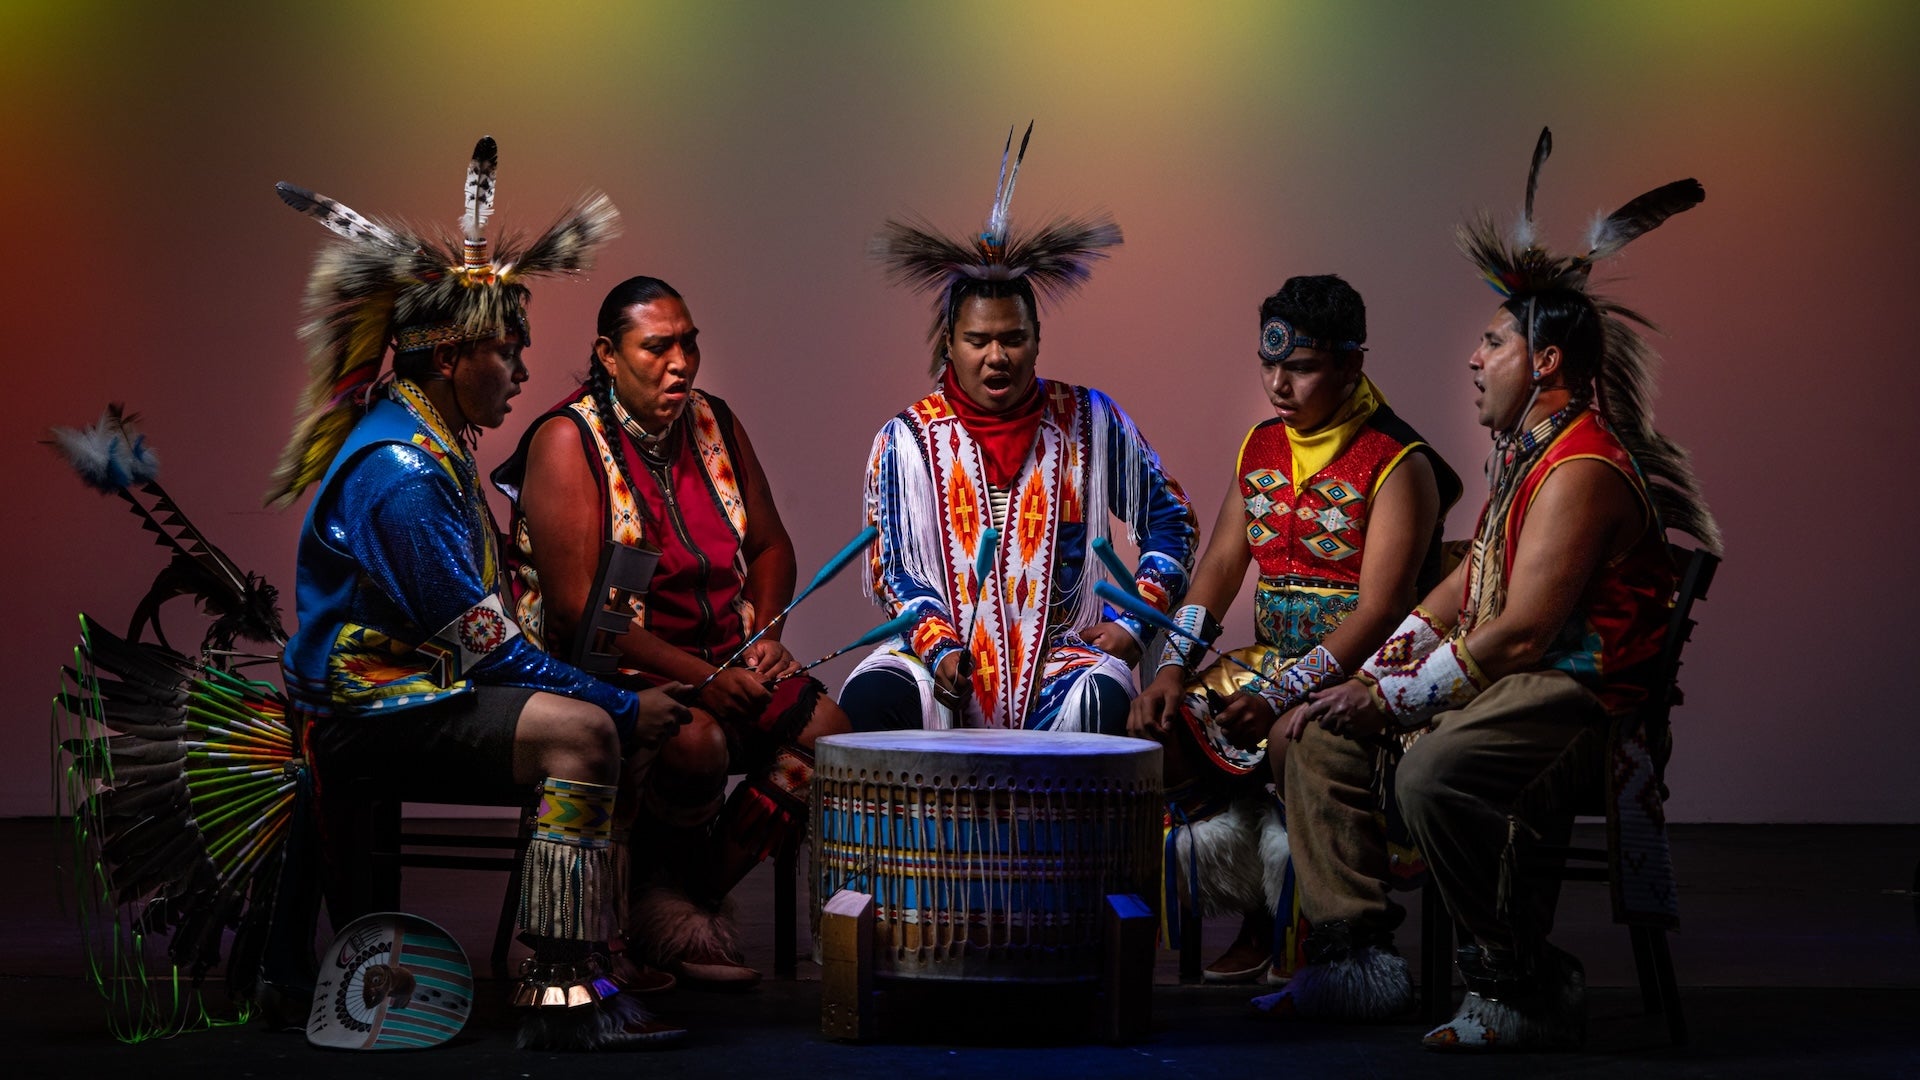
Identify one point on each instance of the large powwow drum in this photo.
(989, 854)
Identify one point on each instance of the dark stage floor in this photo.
(1799, 956)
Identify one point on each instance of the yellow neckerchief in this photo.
(1315, 450)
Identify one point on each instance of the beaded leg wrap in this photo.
(566, 895)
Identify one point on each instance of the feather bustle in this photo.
(187, 807)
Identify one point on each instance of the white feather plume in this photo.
(481, 173)
(109, 456)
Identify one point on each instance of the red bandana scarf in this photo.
(1004, 437)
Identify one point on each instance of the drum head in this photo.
(991, 741)
(390, 981)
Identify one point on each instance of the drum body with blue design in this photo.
(989, 854)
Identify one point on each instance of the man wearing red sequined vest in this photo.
(1340, 503)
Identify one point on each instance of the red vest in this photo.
(1310, 543)
(1614, 636)
(690, 602)
(694, 600)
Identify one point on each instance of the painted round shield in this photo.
(390, 981)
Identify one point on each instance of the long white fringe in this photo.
(566, 891)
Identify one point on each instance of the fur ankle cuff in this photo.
(1369, 984)
(669, 926)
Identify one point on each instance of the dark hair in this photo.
(613, 322)
(415, 364)
(1567, 319)
(1322, 306)
(966, 289)
(616, 318)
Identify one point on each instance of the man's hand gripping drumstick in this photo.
(833, 567)
(953, 680)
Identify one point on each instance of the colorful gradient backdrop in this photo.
(755, 147)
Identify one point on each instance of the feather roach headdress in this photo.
(1518, 268)
(1052, 262)
(385, 286)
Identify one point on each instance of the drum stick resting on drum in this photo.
(1146, 612)
(834, 566)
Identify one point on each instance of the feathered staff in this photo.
(1520, 267)
(382, 279)
(182, 778)
(113, 457)
(1054, 261)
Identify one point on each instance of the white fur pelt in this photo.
(670, 926)
(1371, 984)
(1243, 858)
(603, 1025)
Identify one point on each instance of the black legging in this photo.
(883, 700)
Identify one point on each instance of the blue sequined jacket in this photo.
(398, 586)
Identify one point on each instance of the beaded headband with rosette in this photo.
(386, 286)
(1518, 268)
(1278, 339)
(1054, 261)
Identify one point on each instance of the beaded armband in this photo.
(1416, 636)
(1184, 652)
(1416, 691)
(1316, 669)
(479, 631)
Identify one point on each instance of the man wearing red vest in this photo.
(1506, 679)
(1340, 503)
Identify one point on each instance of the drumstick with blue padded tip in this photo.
(1147, 613)
(834, 566)
(899, 624)
(1122, 576)
(984, 556)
